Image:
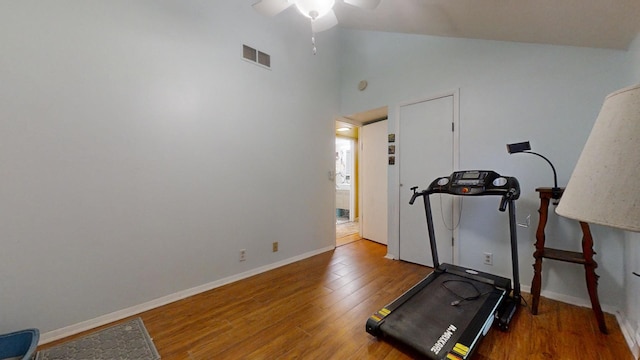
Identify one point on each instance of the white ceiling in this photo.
(361, 118)
(590, 23)
(611, 24)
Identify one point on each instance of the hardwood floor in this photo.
(347, 232)
(348, 239)
(317, 308)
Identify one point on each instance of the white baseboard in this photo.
(633, 341)
(137, 309)
(570, 299)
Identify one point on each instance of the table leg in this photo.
(536, 284)
(592, 278)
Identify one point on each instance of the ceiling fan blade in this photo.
(366, 4)
(271, 7)
(325, 22)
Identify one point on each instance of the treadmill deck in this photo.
(429, 323)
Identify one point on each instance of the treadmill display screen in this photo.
(471, 175)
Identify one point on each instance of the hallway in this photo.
(347, 232)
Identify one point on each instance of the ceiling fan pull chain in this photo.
(313, 42)
(313, 38)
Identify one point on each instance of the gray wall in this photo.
(139, 153)
(509, 92)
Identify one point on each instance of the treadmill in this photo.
(446, 314)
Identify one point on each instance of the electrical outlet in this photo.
(275, 246)
(243, 254)
(488, 258)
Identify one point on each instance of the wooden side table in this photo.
(585, 258)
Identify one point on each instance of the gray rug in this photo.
(127, 341)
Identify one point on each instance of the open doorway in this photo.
(349, 129)
(347, 214)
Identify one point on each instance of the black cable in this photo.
(477, 295)
(454, 225)
(526, 304)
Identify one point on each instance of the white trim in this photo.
(625, 327)
(393, 185)
(358, 180)
(137, 309)
(572, 300)
(349, 121)
(627, 332)
(352, 182)
(454, 92)
(456, 166)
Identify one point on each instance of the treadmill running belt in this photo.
(430, 324)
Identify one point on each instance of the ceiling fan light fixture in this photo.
(314, 9)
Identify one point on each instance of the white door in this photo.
(426, 152)
(373, 181)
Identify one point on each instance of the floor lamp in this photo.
(603, 188)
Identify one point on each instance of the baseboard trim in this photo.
(625, 327)
(573, 300)
(633, 341)
(137, 309)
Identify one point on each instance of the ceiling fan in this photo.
(320, 12)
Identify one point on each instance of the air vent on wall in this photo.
(264, 59)
(249, 53)
(255, 56)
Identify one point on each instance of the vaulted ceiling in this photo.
(591, 23)
(609, 24)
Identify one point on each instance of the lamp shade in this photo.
(604, 187)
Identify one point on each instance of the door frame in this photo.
(393, 238)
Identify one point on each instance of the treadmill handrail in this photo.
(497, 305)
(476, 183)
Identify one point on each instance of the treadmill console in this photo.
(476, 182)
